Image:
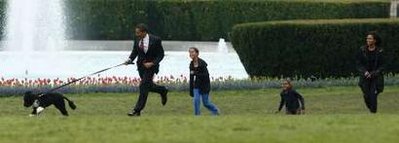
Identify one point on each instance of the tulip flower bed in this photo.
(14, 86)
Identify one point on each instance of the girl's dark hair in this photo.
(195, 49)
(376, 37)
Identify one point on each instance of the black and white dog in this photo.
(39, 102)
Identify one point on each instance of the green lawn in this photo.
(335, 115)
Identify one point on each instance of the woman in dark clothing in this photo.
(293, 101)
(200, 85)
(370, 65)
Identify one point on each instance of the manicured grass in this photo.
(334, 114)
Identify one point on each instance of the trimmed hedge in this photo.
(304, 48)
(202, 20)
(2, 17)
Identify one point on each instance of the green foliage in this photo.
(2, 17)
(104, 19)
(304, 48)
(200, 20)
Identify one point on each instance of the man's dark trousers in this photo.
(147, 85)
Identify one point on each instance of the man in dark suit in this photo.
(149, 52)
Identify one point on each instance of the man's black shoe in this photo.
(164, 97)
(133, 113)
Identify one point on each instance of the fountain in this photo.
(34, 34)
(394, 8)
(35, 47)
(222, 46)
(34, 25)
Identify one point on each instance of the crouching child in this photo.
(293, 101)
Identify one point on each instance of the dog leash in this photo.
(73, 81)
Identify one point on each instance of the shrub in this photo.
(200, 20)
(304, 48)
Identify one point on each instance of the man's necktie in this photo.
(141, 46)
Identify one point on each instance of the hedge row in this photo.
(201, 20)
(2, 16)
(304, 48)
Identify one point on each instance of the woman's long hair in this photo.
(376, 37)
